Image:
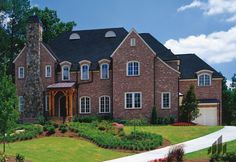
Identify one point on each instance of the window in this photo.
(46, 102)
(65, 72)
(48, 71)
(104, 69)
(133, 68)
(85, 72)
(165, 100)
(21, 103)
(204, 80)
(133, 100)
(132, 42)
(85, 105)
(104, 104)
(21, 72)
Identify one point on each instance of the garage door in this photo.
(208, 116)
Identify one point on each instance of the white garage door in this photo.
(208, 116)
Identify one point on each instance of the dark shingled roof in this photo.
(93, 46)
(191, 63)
(161, 51)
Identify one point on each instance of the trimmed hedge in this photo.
(135, 141)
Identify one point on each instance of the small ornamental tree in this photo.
(8, 102)
(189, 109)
(154, 115)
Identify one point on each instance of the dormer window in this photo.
(65, 73)
(204, 80)
(21, 72)
(110, 34)
(133, 68)
(48, 71)
(85, 72)
(104, 71)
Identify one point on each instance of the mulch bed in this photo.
(13, 159)
(183, 124)
(197, 160)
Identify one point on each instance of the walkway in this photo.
(228, 132)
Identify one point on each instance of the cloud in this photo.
(214, 7)
(215, 48)
(4, 19)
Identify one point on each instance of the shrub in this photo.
(41, 120)
(3, 157)
(176, 154)
(88, 119)
(20, 158)
(228, 157)
(50, 130)
(63, 128)
(154, 115)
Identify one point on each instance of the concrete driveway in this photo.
(228, 133)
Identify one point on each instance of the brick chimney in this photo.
(33, 86)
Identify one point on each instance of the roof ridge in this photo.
(98, 29)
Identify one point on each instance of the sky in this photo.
(204, 27)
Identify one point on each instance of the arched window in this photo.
(104, 104)
(133, 68)
(85, 105)
(65, 72)
(104, 71)
(110, 34)
(84, 72)
(204, 79)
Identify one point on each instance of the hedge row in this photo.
(134, 141)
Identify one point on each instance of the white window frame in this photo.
(127, 68)
(162, 103)
(21, 99)
(133, 100)
(85, 103)
(132, 42)
(46, 72)
(203, 74)
(101, 73)
(19, 72)
(104, 103)
(62, 73)
(81, 72)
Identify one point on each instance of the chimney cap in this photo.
(34, 19)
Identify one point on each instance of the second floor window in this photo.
(65, 73)
(21, 72)
(104, 71)
(48, 71)
(204, 80)
(133, 68)
(85, 72)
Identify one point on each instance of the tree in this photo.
(233, 85)
(189, 109)
(233, 107)
(8, 108)
(52, 25)
(154, 115)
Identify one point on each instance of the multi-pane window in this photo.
(133, 68)
(21, 72)
(132, 42)
(85, 72)
(85, 105)
(21, 103)
(104, 104)
(46, 102)
(133, 100)
(104, 71)
(48, 71)
(65, 72)
(204, 80)
(165, 100)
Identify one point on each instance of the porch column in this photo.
(74, 106)
(53, 103)
(70, 105)
(67, 104)
(49, 103)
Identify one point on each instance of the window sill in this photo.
(133, 108)
(85, 112)
(165, 108)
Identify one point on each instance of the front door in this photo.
(63, 107)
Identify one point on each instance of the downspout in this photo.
(154, 81)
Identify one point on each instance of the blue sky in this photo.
(204, 27)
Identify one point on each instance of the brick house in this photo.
(110, 72)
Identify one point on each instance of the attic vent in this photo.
(110, 34)
(74, 36)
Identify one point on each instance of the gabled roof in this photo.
(191, 63)
(92, 46)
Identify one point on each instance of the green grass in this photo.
(177, 134)
(231, 147)
(51, 149)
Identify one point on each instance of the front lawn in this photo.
(51, 149)
(231, 147)
(177, 134)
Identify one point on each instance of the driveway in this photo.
(228, 133)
